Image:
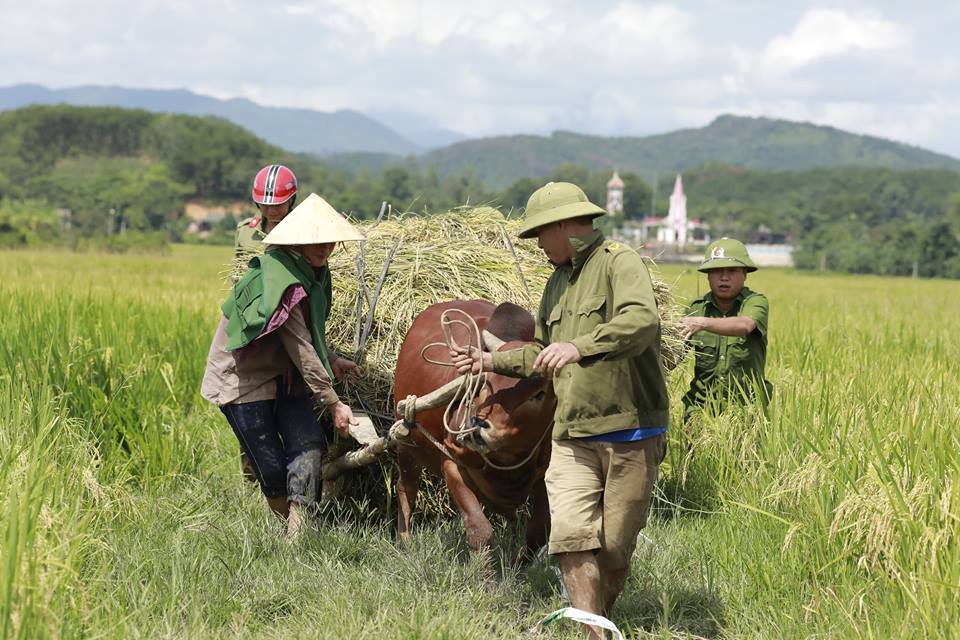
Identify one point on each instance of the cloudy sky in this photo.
(503, 66)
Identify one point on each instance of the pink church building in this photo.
(675, 231)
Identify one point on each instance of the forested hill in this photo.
(299, 130)
(209, 157)
(755, 143)
(140, 165)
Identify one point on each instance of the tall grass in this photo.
(122, 512)
(840, 514)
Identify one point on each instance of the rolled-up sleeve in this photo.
(297, 342)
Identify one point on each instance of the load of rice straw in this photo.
(467, 253)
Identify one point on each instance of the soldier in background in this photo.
(274, 192)
(728, 330)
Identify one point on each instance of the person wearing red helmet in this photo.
(274, 192)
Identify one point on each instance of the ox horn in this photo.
(492, 342)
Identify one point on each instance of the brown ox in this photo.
(516, 413)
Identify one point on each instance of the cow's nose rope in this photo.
(462, 404)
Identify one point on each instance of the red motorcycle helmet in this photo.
(274, 184)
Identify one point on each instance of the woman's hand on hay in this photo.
(555, 357)
(343, 418)
(469, 359)
(344, 368)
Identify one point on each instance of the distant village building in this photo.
(615, 187)
(668, 237)
(675, 230)
(771, 255)
(65, 216)
(203, 217)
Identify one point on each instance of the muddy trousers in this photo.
(285, 445)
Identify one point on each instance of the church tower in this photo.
(677, 217)
(615, 188)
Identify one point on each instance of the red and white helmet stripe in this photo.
(274, 184)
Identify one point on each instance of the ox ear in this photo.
(492, 342)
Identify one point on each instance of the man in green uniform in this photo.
(274, 192)
(598, 339)
(728, 330)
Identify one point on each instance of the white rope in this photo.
(462, 402)
(529, 457)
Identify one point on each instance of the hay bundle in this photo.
(466, 253)
(410, 262)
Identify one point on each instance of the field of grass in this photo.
(123, 514)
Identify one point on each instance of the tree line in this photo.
(134, 170)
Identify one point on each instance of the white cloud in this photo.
(635, 33)
(829, 55)
(829, 33)
(305, 9)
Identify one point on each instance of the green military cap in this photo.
(553, 202)
(725, 253)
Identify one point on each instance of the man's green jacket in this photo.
(603, 303)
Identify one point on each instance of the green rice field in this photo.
(123, 513)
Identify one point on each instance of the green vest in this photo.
(255, 298)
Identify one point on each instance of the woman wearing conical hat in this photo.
(273, 324)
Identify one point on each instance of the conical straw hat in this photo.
(313, 221)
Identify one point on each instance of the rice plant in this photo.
(123, 512)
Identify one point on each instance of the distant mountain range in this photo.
(300, 130)
(357, 142)
(754, 143)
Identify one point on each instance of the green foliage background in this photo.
(119, 169)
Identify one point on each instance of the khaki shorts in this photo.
(599, 495)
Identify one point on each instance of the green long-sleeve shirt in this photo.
(729, 366)
(603, 303)
(247, 243)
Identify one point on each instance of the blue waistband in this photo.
(628, 435)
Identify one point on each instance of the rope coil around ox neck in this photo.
(462, 404)
(463, 401)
